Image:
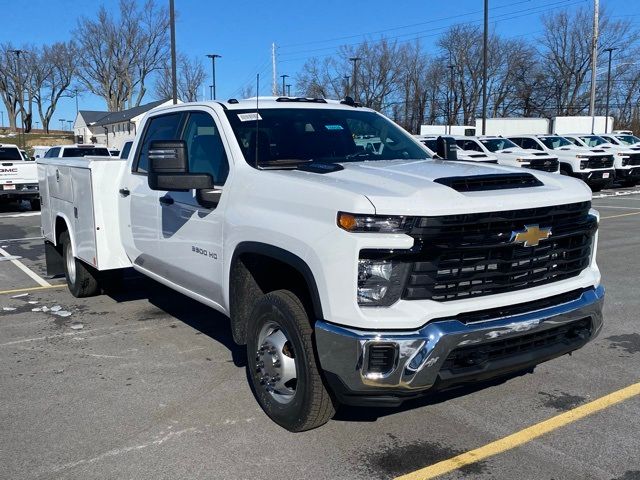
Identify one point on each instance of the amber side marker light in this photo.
(346, 221)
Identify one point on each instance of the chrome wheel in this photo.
(275, 363)
(71, 263)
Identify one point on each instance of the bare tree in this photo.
(118, 55)
(191, 76)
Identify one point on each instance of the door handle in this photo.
(166, 200)
(124, 192)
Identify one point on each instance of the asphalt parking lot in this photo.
(148, 384)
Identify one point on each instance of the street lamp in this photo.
(174, 74)
(61, 120)
(213, 57)
(69, 122)
(284, 88)
(606, 114)
(288, 89)
(355, 76)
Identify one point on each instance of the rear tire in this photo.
(279, 347)
(81, 278)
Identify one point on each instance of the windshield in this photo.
(10, 153)
(593, 140)
(495, 144)
(628, 139)
(555, 142)
(84, 151)
(289, 136)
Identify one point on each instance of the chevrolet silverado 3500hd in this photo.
(352, 275)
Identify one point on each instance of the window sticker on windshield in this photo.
(247, 117)
(333, 127)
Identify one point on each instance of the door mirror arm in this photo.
(208, 197)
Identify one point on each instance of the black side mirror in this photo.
(446, 148)
(169, 168)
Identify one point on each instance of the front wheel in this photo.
(81, 279)
(282, 364)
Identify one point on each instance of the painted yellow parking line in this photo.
(523, 436)
(31, 289)
(621, 215)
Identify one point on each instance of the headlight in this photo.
(583, 164)
(380, 279)
(374, 223)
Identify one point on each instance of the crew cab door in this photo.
(190, 235)
(138, 205)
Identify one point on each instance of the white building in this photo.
(111, 128)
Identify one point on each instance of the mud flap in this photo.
(54, 260)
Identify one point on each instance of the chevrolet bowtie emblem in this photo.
(531, 235)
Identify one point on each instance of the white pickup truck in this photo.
(594, 168)
(18, 177)
(352, 275)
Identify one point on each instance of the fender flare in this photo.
(287, 258)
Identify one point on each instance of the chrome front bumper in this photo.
(421, 354)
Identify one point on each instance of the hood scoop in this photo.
(481, 183)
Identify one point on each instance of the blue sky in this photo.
(242, 31)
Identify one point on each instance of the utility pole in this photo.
(75, 91)
(346, 85)
(18, 71)
(355, 77)
(451, 100)
(213, 57)
(2, 113)
(174, 74)
(606, 113)
(70, 122)
(485, 47)
(288, 89)
(284, 87)
(274, 83)
(594, 63)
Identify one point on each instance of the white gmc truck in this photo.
(352, 275)
(18, 177)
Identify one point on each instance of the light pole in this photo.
(606, 114)
(594, 63)
(75, 91)
(69, 122)
(61, 120)
(174, 75)
(2, 113)
(485, 42)
(213, 57)
(284, 88)
(288, 89)
(355, 77)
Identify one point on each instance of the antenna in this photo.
(257, 116)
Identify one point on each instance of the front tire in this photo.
(282, 364)
(81, 279)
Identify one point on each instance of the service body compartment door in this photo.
(85, 227)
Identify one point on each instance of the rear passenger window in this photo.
(162, 127)
(52, 152)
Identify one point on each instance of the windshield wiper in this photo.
(289, 163)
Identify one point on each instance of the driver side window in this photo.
(204, 147)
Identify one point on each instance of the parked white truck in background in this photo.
(510, 154)
(356, 276)
(595, 169)
(430, 142)
(18, 177)
(626, 159)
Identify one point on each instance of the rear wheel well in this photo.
(60, 228)
(256, 274)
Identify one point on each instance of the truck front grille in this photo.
(634, 159)
(472, 255)
(545, 165)
(605, 161)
